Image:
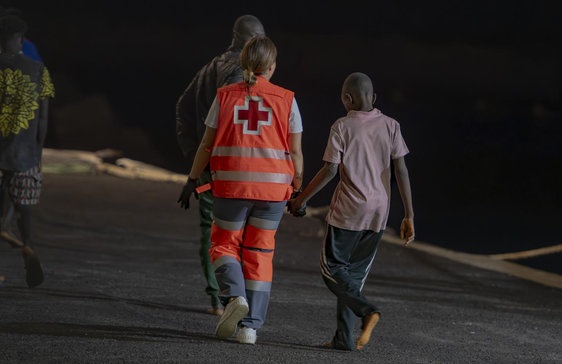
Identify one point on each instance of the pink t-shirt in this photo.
(363, 143)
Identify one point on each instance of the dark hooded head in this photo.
(12, 30)
(246, 27)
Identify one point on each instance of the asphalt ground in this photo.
(123, 284)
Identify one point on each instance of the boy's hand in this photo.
(407, 230)
(295, 205)
(186, 192)
(297, 211)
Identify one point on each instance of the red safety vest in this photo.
(250, 158)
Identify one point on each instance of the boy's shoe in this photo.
(233, 314)
(33, 271)
(328, 345)
(369, 323)
(246, 335)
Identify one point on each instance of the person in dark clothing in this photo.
(191, 112)
(25, 90)
(28, 49)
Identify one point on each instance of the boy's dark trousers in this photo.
(206, 221)
(345, 262)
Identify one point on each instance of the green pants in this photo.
(206, 219)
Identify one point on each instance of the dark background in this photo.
(475, 86)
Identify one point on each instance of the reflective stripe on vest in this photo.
(252, 177)
(251, 153)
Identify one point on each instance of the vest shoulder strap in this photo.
(263, 87)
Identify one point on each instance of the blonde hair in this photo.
(258, 54)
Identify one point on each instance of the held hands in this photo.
(295, 205)
(186, 192)
(407, 230)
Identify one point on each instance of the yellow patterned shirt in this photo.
(47, 87)
(24, 85)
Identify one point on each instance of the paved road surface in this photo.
(123, 284)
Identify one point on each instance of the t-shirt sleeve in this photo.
(47, 87)
(399, 148)
(335, 148)
(212, 120)
(295, 120)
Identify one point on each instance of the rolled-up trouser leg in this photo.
(257, 255)
(206, 220)
(226, 240)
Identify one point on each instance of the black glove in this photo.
(186, 192)
(296, 213)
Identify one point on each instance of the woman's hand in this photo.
(297, 207)
(188, 189)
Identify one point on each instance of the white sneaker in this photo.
(246, 336)
(233, 313)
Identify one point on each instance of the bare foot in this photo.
(215, 311)
(368, 325)
(26, 251)
(327, 345)
(13, 241)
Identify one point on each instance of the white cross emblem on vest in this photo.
(253, 115)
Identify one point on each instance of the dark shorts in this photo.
(25, 187)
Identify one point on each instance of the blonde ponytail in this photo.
(258, 54)
(250, 78)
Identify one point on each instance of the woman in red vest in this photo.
(253, 141)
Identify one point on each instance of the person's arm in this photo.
(333, 158)
(325, 175)
(47, 91)
(42, 125)
(298, 159)
(203, 153)
(201, 160)
(402, 178)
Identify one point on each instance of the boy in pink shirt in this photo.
(362, 145)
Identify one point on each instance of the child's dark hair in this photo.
(258, 54)
(11, 25)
